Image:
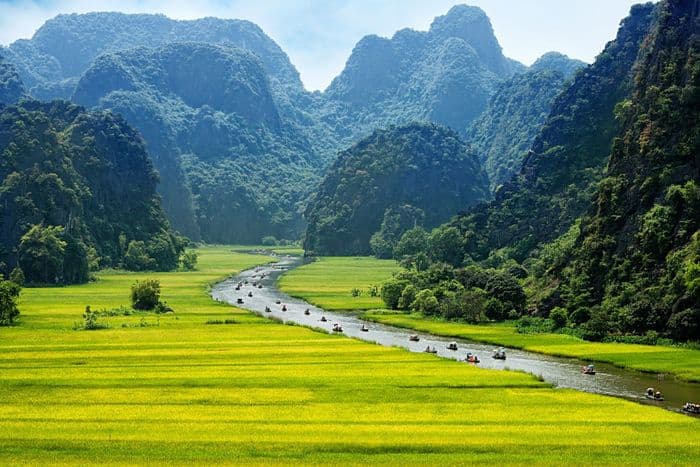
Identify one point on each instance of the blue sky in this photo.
(319, 35)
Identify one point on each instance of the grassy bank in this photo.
(258, 392)
(328, 282)
(684, 363)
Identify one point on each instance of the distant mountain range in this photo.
(238, 142)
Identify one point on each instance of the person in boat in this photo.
(284, 307)
(250, 294)
(307, 312)
(267, 309)
(658, 395)
(323, 319)
(650, 392)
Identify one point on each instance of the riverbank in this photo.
(328, 281)
(681, 363)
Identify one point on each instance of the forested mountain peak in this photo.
(471, 24)
(65, 46)
(444, 75)
(504, 132)
(421, 173)
(232, 169)
(559, 62)
(559, 174)
(82, 182)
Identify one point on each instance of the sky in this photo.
(319, 35)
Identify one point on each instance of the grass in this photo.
(257, 392)
(683, 363)
(328, 282)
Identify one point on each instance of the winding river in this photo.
(561, 372)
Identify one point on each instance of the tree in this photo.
(391, 292)
(412, 242)
(17, 276)
(506, 289)
(137, 258)
(145, 295)
(446, 245)
(9, 292)
(188, 260)
(41, 254)
(426, 303)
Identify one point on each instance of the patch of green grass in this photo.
(684, 363)
(258, 392)
(328, 282)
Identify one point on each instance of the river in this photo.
(561, 372)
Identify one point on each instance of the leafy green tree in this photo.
(188, 260)
(391, 292)
(9, 292)
(408, 296)
(145, 295)
(41, 254)
(559, 317)
(426, 303)
(137, 258)
(17, 276)
(446, 245)
(412, 242)
(269, 240)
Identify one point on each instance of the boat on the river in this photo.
(588, 370)
(260, 286)
(364, 328)
(268, 310)
(278, 301)
(250, 294)
(429, 349)
(337, 328)
(653, 395)
(239, 301)
(307, 312)
(452, 346)
(499, 354)
(284, 307)
(689, 407)
(323, 319)
(413, 338)
(471, 358)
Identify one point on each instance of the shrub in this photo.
(559, 317)
(145, 295)
(17, 276)
(9, 292)
(90, 320)
(407, 297)
(269, 240)
(188, 260)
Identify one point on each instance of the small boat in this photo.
(588, 370)
(268, 310)
(428, 349)
(499, 354)
(250, 294)
(284, 307)
(452, 346)
(307, 312)
(689, 407)
(471, 358)
(238, 287)
(260, 286)
(278, 301)
(239, 301)
(323, 319)
(653, 395)
(364, 328)
(245, 282)
(413, 338)
(337, 328)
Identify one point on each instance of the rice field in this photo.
(180, 391)
(328, 282)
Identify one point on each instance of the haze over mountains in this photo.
(237, 140)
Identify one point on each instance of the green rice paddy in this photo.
(179, 391)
